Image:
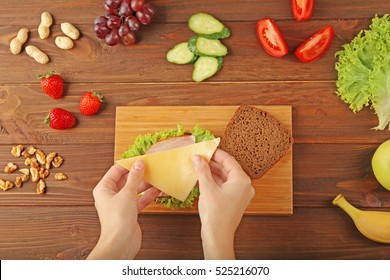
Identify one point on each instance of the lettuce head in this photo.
(363, 69)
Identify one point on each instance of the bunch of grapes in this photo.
(122, 21)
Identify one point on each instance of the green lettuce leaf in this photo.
(201, 134)
(143, 142)
(363, 68)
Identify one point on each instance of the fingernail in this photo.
(138, 165)
(196, 159)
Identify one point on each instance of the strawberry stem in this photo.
(47, 119)
(101, 98)
(47, 75)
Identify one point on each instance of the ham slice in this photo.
(171, 143)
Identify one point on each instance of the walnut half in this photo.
(31, 150)
(10, 168)
(60, 176)
(41, 187)
(25, 171)
(49, 159)
(19, 181)
(17, 150)
(57, 161)
(43, 173)
(34, 174)
(6, 185)
(31, 161)
(41, 157)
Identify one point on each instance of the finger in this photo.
(122, 181)
(235, 174)
(228, 162)
(113, 175)
(148, 196)
(203, 171)
(163, 194)
(107, 186)
(134, 179)
(217, 170)
(218, 180)
(143, 186)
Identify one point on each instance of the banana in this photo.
(374, 225)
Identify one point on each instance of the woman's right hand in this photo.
(225, 193)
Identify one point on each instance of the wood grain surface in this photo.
(273, 191)
(332, 150)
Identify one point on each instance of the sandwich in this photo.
(255, 138)
(167, 155)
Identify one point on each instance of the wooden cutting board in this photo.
(273, 190)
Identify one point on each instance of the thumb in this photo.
(203, 171)
(134, 179)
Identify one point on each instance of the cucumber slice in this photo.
(205, 67)
(206, 47)
(180, 54)
(220, 62)
(220, 35)
(208, 26)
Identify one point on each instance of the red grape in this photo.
(129, 39)
(113, 21)
(110, 10)
(100, 21)
(123, 30)
(114, 4)
(151, 9)
(112, 37)
(144, 16)
(133, 23)
(125, 9)
(137, 5)
(101, 35)
(101, 31)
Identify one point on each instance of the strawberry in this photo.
(90, 103)
(60, 119)
(52, 84)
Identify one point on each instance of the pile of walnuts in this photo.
(37, 168)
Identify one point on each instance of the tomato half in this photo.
(302, 9)
(315, 46)
(270, 38)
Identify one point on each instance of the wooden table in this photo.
(332, 146)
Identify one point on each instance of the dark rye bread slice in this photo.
(256, 139)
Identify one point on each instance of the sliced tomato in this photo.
(315, 46)
(302, 9)
(270, 38)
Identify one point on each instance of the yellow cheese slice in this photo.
(172, 171)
